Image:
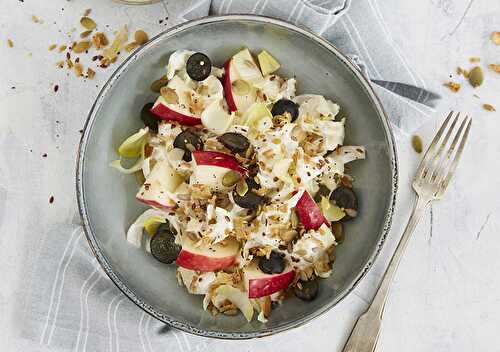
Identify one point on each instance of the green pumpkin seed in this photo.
(141, 37)
(231, 178)
(158, 84)
(294, 219)
(85, 34)
(241, 188)
(417, 144)
(476, 77)
(88, 23)
(82, 46)
(338, 231)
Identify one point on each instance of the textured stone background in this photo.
(445, 296)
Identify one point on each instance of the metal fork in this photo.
(432, 178)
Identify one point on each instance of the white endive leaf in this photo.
(117, 164)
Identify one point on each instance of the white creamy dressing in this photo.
(222, 223)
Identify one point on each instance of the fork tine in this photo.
(458, 154)
(432, 146)
(438, 157)
(440, 170)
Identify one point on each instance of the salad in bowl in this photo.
(246, 181)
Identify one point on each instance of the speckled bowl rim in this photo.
(91, 238)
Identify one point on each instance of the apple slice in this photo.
(175, 106)
(212, 166)
(309, 212)
(268, 64)
(207, 257)
(260, 284)
(246, 67)
(173, 112)
(241, 74)
(161, 181)
(218, 159)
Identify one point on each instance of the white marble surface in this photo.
(445, 296)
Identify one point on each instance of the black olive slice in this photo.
(345, 198)
(149, 119)
(163, 246)
(252, 184)
(306, 290)
(322, 192)
(285, 106)
(274, 265)
(188, 141)
(198, 66)
(250, 200)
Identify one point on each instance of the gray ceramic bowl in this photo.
(106, 198)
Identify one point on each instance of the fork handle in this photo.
(365, 333)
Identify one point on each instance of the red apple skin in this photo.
(154, 203)
(227, 85)
(309, 213)
(202, 263)
(218, 159)
(270, 284)
(166, 113)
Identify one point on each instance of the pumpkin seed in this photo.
(231, 178)
(169, 95)
(249, 152)
(141, 37)
(85, 34)
(88, 23)
(476, 77)
(294, 219)
(159, 83)
(417, 144)
(235, 142)
(82, 46)
(289, 235)
(338, 231)
(139, 176)
(131, 46)
(241, 87)
(241, 188)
